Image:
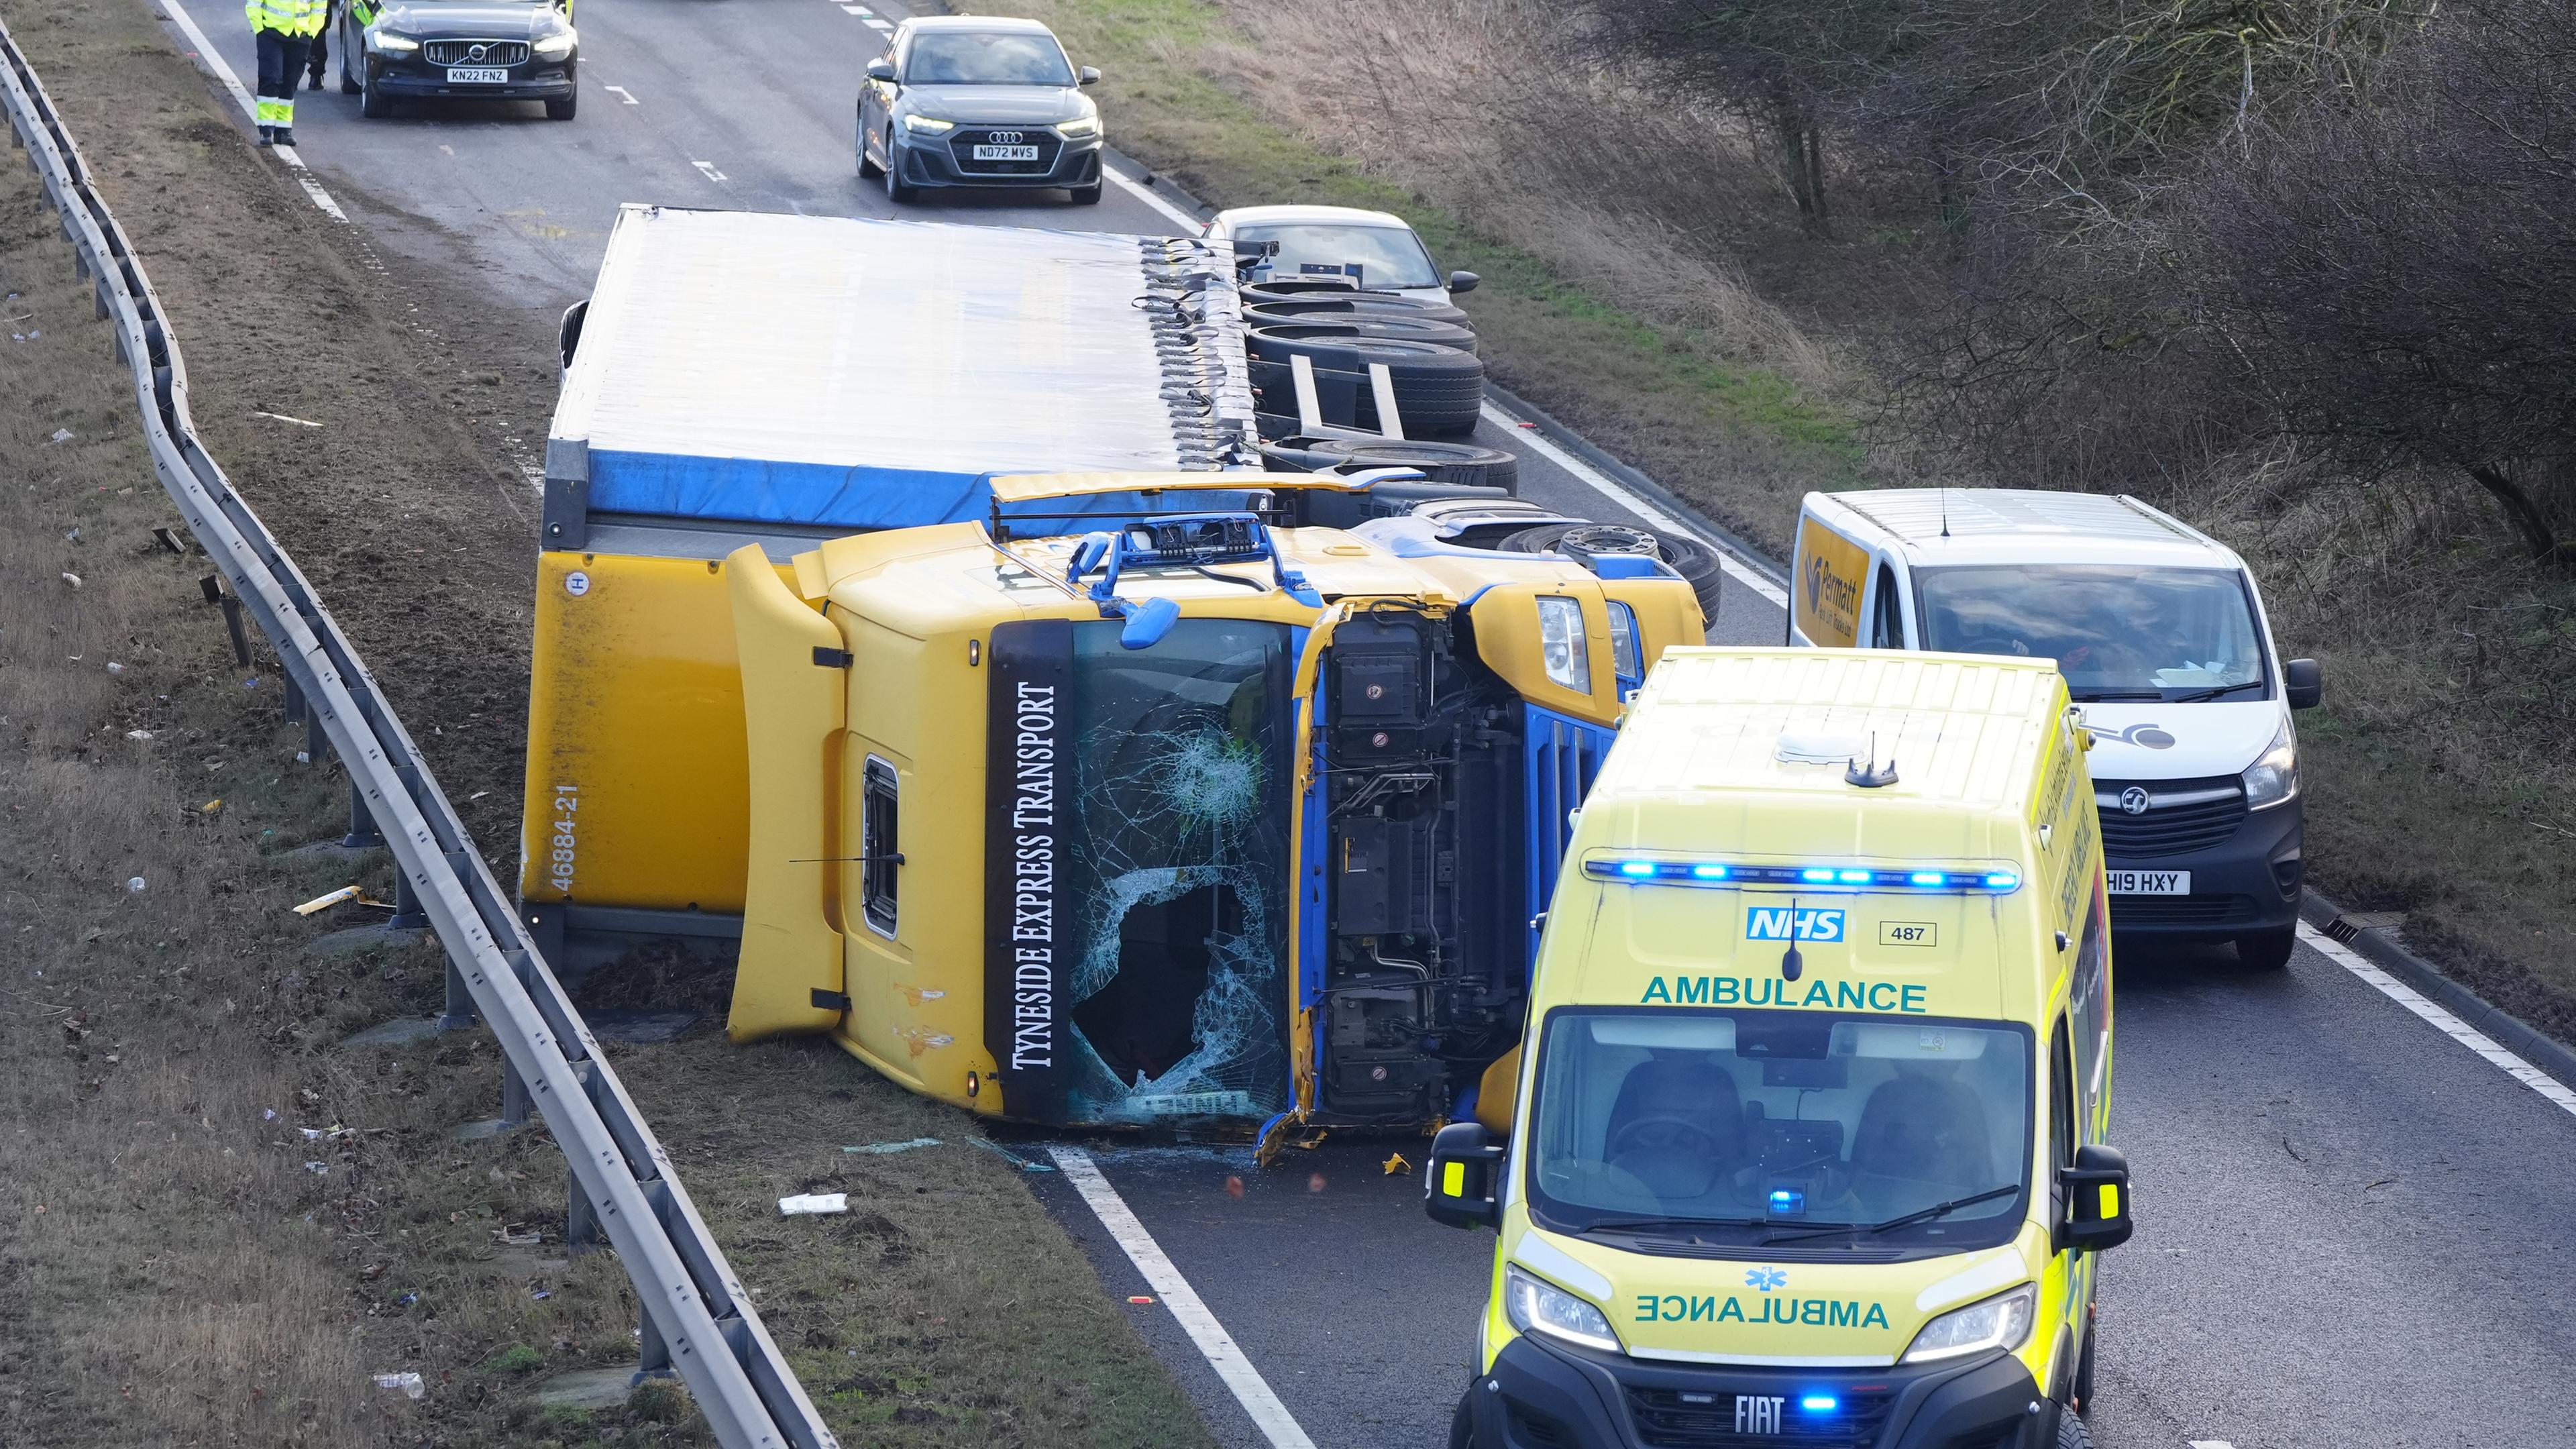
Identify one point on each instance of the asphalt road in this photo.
(2353, 1231)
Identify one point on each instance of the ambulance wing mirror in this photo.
(2097, 1201)
(1466, 1168)
(2303, 682)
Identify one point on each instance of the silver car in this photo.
(974, 100)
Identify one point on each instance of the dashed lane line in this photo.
(2442, 1021)
(1250, 1390)
(213, 60)
(623, 94)
(709, 169)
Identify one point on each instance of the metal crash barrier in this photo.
(697, 1319)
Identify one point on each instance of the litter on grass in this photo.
(61, 435)
(134, 883)
(72, 579)
(518, 1235)
(283, 418)
(884, 1147)
(1013, 1158)
(406, 1384)
(813, 1202)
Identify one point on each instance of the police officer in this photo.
(285, 31)
(321, 59)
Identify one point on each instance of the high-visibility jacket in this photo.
(287, 17)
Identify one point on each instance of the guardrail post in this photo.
(458, 1013)
(652, 1354)
(362, 822)
(408, 914)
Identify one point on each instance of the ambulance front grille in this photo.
(1676, 1419)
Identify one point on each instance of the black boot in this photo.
(268, 135)
(286, 135)
(316, 77)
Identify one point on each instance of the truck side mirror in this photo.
(2097, 1201)
(1463, 281)
(881, 69)
(2304, 682)
(1458, 1187)
(1089, 75)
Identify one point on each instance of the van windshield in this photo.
(2117, 631)
(1749, 1128)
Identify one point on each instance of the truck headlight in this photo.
(1536, 1306)
(1561, 643)
(556, 46)
(2002, 1321)
(392, 44)
(2274, 775)
(925, 126)
(1080, 128)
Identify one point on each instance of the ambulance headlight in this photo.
(1535, 1306)
(2002, 1321)
(556, 46)
(1561, 643)
(2274, 775)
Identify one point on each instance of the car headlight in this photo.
(2002, 1321)
(2274, 775)
(925, 126)
(1537, 1306)
(556, 46)
(1561, 643)
(1080, 128)
(392, 44)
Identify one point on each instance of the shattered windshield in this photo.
(2117, 631)
(1176, 872)
(1751, 1127)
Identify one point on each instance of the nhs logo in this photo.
(1792, 923)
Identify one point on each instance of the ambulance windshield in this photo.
(1746, 1128)
(2117, 631)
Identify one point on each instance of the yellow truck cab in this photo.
(1805, 1144)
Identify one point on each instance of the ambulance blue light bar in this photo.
(1647, 870)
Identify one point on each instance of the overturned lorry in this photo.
(915, 610)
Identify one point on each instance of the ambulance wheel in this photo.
(1462, 1422)
(2072, 1431)
(2267, 951)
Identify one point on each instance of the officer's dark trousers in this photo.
(281, 65)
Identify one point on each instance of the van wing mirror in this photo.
(2097, 1201)
(1466, 1167)
(2303, 682)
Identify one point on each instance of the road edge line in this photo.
(2380, 946)
(213, 60)
(2549, 1088)
(1250, 1389)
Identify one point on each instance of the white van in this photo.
(2161, 635)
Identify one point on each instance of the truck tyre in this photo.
(1370, 323)
(2267, 950)
(1347, 349)
(1314, 307)
(1468, 463)
(562, 108)
(1439, 390)
(1693, 560)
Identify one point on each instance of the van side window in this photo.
(1886, 618)
(878, 847)
(2091, 1005)
(2061, 1100)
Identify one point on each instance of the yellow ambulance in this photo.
(1805, 1143)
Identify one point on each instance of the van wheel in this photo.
(2268, 950)
(1462, 1422)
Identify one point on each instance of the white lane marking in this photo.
(1189, 225)
(623, 94)
(1269, 1415)
(879, 26)
(860, 11)
(2443, 1021)
(708, 167)
(214, 61)
(1727, 559)
(2211, 1444)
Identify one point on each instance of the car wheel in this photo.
(1086, 195)
(562, 108)
(1695, 562)
(372, 103)
(898, 190)
(2267, 950)
(348, 83)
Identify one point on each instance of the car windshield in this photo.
(1742, 1128)
(1378, 256)
(2117, 631)
(986, 58)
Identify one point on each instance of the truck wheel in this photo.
(2267, 950)
(1469, 463)
(1694, 561)
(1368, 324)
(1307, 307)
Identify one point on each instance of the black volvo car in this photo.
(459, 49)
(977, 100)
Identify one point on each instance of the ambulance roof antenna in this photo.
(1791, 963)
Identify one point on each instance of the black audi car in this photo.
(978, 100)
(460, 49)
